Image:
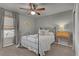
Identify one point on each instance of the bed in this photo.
(31, 42)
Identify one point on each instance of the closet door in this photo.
(9, 30)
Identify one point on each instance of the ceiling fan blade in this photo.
(29, 13)
(24, 9)
(40, 9)
(38, 13)
(34, 6)
(30, 4)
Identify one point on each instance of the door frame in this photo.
(76, 29)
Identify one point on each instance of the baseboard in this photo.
(65, 44)
(8, 45)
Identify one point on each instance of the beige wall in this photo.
(64, 18)
(26, 25)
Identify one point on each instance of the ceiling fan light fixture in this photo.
(33, 13)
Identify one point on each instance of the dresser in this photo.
(63, 36)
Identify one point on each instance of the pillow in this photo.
(46, 32)
(43, 32)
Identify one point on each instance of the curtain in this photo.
(1, 26)
(15, 16)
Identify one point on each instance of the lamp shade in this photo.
(33, 13)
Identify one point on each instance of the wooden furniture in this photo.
(63, 35)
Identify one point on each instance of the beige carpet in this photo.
(60, 50)
(56, 50)
(13, 51)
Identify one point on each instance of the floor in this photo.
(14, 51)
(60, 50)
(56, 50)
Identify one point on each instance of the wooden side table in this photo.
(63, 36)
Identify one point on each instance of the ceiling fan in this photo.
(33, 9)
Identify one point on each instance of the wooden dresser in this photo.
(63, 35)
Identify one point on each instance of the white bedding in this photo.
(31, 42)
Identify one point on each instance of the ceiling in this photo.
(50, 8)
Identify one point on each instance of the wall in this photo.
(31, 25)
(26, 25)
(69, 27)
(56, 19)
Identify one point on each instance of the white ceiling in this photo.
(50, 8)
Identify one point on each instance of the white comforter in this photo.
(31, 42)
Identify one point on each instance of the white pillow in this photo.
(43, 32)
(46, 32)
